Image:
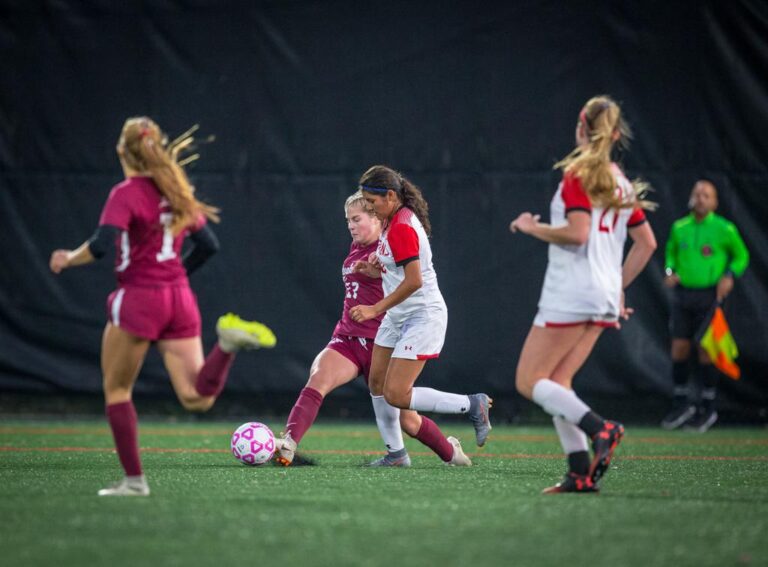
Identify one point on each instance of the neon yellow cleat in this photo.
(235, 334)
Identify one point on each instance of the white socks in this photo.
(427, 399)
(559, 401)
(572, 438)
(388, 422)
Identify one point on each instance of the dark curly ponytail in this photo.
(383, 177)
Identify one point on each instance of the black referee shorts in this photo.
(689, 309)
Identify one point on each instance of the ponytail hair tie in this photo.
(144, 132)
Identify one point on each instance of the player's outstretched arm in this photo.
(62, 259)
(575, 231)
(92, 249)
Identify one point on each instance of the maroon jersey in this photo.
(148, 254)
(359, 289)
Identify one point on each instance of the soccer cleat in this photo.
(126, 487)
(702, 421)
(388, 460)
(235, 334)
(573, 483)
(678, 416)
(479, 406)
(604, 443)
(459, 458)
(285, 449)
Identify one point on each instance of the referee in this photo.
(704, 254)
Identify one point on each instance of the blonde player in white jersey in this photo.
(593, 210)
(413, 329)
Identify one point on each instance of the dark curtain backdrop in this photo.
(472, 100)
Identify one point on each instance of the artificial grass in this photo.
(669, 499)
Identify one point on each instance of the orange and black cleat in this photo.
(604, 443)
(573, 483)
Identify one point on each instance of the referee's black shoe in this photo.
(678, 416)
(702, 421)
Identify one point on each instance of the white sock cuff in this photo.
(559, 401)
(388, 422)
(429, 399)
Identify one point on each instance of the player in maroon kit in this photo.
(348, 354)
(147, 217)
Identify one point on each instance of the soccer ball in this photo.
(253, 443)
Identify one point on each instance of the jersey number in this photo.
(352, 288)
(166, 252)
(603, 225)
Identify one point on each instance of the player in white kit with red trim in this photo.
(593, 210)
(413, 329)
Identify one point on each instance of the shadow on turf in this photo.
(671, 496)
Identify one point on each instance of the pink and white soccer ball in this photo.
(253, 443)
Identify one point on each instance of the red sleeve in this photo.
(117, 210)
(574, 196)
(404, 243)
(636, 218)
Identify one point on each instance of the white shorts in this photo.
(549, 318)
(419, 337)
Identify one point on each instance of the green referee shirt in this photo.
(700, 252)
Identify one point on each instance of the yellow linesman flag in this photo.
(720, 346)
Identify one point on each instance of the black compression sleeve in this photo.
(204, 245)
(102, 239)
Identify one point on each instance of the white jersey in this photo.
(586, 279)
(403, 241)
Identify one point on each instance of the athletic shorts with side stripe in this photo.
(554, 319)
(419, 337)
(358, 350)
(155, 313)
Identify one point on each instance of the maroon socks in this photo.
(430, 434)
(122, 420)
(303, 414)
(213, 374)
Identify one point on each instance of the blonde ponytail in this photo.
(603, 126)
(145, 149)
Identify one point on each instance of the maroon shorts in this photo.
(155, 313)
(357, 349)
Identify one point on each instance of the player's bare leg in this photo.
(559, 352)
(122, 355)
(198, 381)
(400, 392)
(330, 370)
(183, 359)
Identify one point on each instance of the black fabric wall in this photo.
(472, 100)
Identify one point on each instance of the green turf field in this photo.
(670, 499)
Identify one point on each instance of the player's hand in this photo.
(363, 267)
(724, 287)
(671, 281)
(59, 260)
(373, 259)
(525, 223)
(624, 312)
(361, 313)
